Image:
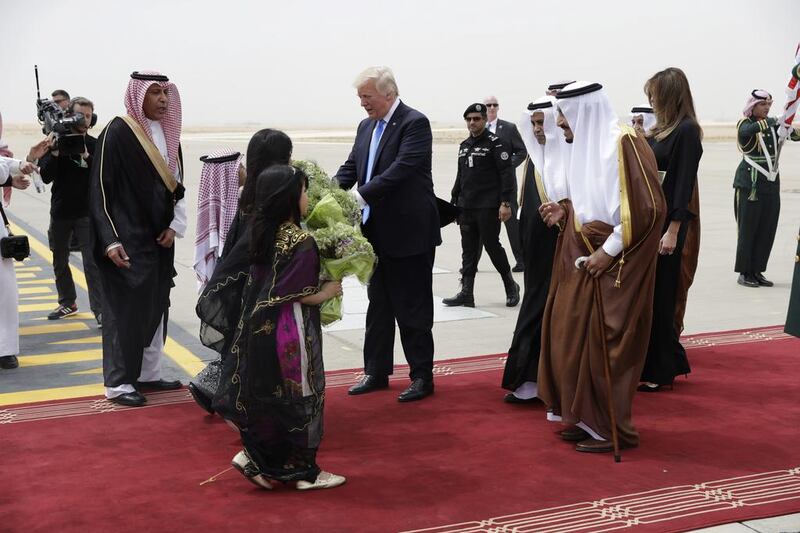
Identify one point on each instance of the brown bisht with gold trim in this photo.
(130, 203)
(571, 368)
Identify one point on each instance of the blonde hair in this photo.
(383, 77)
(671, 98)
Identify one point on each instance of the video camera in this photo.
(55, 120)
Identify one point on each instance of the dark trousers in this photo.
(757, 222)
(401, 290)
(60, 234)
(514, 238)
(666, 356)
(481, 227)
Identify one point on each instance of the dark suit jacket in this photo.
(509, 133)
(403, 218)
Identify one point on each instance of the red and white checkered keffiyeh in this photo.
(217, 202)
(171, 123)
(4, 151)
(758, 95)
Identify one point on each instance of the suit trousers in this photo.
(481, 227)
(401, 290)
(60, 233)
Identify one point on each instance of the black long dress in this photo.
(678, 156)
(272, 381)
(230, 270)
(538, 248)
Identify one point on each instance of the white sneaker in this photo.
(325, 480)
(250, 471)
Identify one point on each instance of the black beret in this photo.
(476, 108)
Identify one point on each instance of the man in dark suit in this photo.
(509, 135)
(390, 165)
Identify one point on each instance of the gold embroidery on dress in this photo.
(266, 329)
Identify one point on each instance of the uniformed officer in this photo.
(484, 187)
(757, 187)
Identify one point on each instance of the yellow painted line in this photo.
(183, 357)
(47, 298)
(175, 351)
(35, 290)
(26, 275)
(29, 308)
(59, 327)
(23, 264)
(59, 393)
(60, 358)
(29, 269)
(37, 282)
(74, 316)
(98, 370)
(84, 340)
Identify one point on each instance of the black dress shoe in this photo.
(519, 267)
(129, 399)
(161, 384)
(418, 389)
(9, 362)
(200, 399)
(510, 398)
(762, 281)
(747, 280)
(368, 384)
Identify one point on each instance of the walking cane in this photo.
(598, 301)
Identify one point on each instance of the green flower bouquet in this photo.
(334, 220)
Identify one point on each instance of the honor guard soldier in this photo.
(484, 188)
(757, 186)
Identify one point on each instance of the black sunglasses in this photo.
(492, 105)
(473, 119)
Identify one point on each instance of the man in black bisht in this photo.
(485, 185)
(137, 208)
(544, 180)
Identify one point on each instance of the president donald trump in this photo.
(390, 168)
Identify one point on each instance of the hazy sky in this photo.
(292, 63)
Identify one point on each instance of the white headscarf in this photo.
(593, 165)
(548, 159)
(648, 117)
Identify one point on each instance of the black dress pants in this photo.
(481, 227)
(400, 290)
(757, 222)
(60, 234)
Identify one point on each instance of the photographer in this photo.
(69, 209)
(12, 174)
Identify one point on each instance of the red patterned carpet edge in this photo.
(716, 449)
(27, 412)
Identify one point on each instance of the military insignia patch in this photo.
(504, 155)
(478, 107)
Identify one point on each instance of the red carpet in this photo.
(459, 461)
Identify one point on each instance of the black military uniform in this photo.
(484, 181)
